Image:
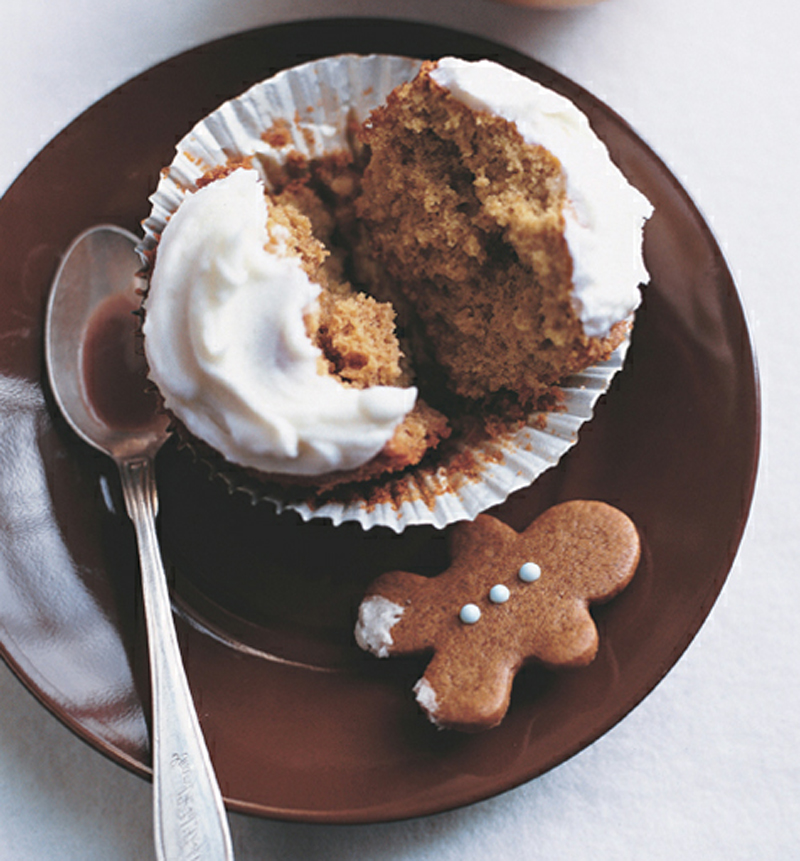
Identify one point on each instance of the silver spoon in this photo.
(189, 815)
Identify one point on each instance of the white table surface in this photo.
(708, 766)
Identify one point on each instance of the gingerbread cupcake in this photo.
(379, 292)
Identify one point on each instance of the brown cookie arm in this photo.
(468, 697)
(388, 616)
(572, 639)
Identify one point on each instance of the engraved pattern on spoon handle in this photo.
(189, 816)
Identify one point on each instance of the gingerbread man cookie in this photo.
(506, 599)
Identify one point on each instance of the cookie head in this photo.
(507, 598)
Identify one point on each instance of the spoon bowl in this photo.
(99, 265)
(91, 364)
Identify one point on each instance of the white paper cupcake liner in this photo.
(316, 104)
(318, 101)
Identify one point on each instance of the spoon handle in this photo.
(188, 813)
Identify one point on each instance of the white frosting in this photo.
(604, 214)
(426, 697)
(227, 346)
(376, 618)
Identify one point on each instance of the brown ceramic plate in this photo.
(301, 724)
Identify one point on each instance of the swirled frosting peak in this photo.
(226, 343)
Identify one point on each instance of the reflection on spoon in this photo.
(111, 368)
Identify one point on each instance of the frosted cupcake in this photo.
(378, 282)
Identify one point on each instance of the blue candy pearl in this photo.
(470, 613)
(499, 594)
(530, 572)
